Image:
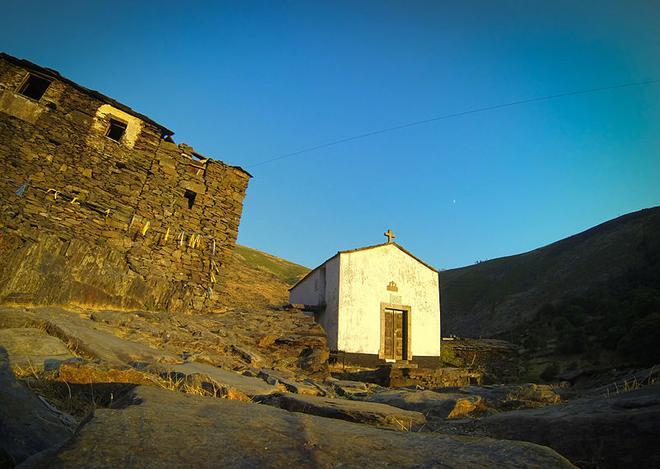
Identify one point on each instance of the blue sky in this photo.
(248, 81)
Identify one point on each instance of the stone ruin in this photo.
(498, 360)
(100, 207)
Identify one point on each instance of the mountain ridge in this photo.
(492, 297)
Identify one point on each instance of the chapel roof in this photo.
(365, 248)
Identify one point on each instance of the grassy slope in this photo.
(592, 299)
(256, 278)
(495, 296)
(286, 271)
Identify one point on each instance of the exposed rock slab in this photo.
(87, 337)
(29, 348)
(229, 339)
(348, 388)
(353, 411)
(620, 431)
(429, 403)
(275, 377)
(513, 396)
(165, 429)
(231, 384)
(27, 424)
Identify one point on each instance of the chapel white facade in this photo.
(377, 304)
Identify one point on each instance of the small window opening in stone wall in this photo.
(190, 195)
(116, 130)
(34, 87)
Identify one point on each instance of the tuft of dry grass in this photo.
(189, 386)
(631, 384)
(78, 389)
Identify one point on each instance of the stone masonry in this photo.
(100, 207)
(498, 360)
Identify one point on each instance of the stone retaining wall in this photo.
(497, 359)
(434, 377)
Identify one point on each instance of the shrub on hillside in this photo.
(573, 341)
(550, 372)
(640, 344)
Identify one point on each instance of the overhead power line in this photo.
(452, 115)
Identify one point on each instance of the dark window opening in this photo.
(190, 195)
(34, 87)
(116, 130)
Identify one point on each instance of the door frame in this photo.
(407, 332)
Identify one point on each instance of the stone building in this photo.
(377, 304)
(100, 206)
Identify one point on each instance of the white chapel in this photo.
(377, 304)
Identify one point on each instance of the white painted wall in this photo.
(310, 291)
(321, 286)
(364, 276)
(353, 285)
(329, 318)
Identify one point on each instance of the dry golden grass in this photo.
(80, 389)
(631, 384)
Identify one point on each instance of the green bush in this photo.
(641, 344)
(573, 341)
(550, 372)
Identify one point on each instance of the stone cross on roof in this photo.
(389, 235)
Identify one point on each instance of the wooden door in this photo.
(394, 345)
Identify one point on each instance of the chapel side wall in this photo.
(365, 276)
(320, 287)
(309, 291)
(56, 149)
(330, 317)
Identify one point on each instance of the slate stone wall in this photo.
(88, 219)
(497, 359)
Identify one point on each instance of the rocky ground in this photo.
(252, 388)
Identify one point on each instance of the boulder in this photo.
(154, 428)
(286, 379)
(430, 403)
(246, 354)
(510, 397)
(348, 388)
(28, 424)
(314, 359)
(617, 431)
(371, 413)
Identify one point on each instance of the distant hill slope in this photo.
(503, 294)
(592, 299)
(256, 278)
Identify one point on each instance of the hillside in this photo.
(584, 294)
(256, 278)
